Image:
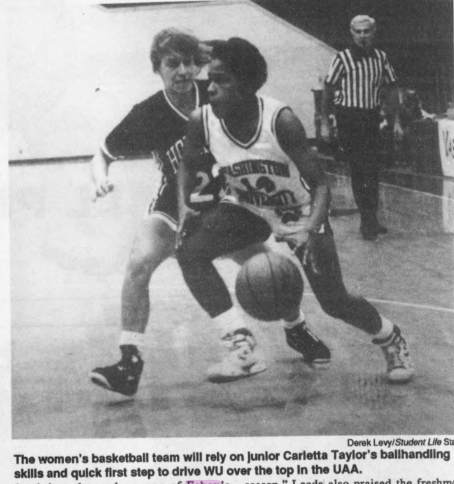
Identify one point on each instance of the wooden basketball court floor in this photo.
(67, 261)
(68, 255)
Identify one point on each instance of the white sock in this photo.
(295, 322)
(229, 321)
(386, 329)
(132, 338)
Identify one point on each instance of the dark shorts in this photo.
(165, 204)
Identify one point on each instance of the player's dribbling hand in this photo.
(295, 240)
(302, 244)
(308, 259)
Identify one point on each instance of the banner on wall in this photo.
(446, 141)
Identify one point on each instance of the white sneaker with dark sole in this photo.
(398, 360)
(242, 361)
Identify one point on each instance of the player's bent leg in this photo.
(324, 274)
(153, 244)
(329, 289)
(218, 232)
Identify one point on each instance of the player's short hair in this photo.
(174, 40)
(359, 19)
(243, 60)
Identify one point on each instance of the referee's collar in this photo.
(360, 53)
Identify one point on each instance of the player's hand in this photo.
(185, 217)
(101, 185)
(302, 244)
(308, 259)
(295, 240)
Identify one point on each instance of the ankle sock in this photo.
(291, 324)
(132, 338)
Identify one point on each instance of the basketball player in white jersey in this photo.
(155, 128)
(273, 183)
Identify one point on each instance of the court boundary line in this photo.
(401, 303)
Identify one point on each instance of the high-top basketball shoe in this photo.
(243, 359)
(124, 376)
(398, 360)
(313, 350)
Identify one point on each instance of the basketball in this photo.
(269, 286)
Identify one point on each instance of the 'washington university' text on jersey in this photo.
(359, 76)
(259, 175)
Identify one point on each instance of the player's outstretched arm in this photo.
(187, 171)
(292, 138)
(101, 185)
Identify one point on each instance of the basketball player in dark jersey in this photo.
(155, 127)
(273, 184)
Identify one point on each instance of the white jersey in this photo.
(259, 175)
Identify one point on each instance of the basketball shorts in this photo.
(164, 204)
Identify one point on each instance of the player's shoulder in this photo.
(272, 103)
(274, 109)
(280, 117)
(152, 102)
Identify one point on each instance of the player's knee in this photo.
(141, 266)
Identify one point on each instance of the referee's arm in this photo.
(391, 96)
(327, 102)
(335, 73)
(392, 101)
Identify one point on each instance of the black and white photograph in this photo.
(230, 219)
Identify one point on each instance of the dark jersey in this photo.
(154, 127)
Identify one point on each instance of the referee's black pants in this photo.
(359, 137)
(226, 228)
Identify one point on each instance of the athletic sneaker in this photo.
(399, 363)
(243, 359)
(314, 351)
(124, 376)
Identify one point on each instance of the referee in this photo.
(354, 82)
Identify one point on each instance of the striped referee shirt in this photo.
(358, 77)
